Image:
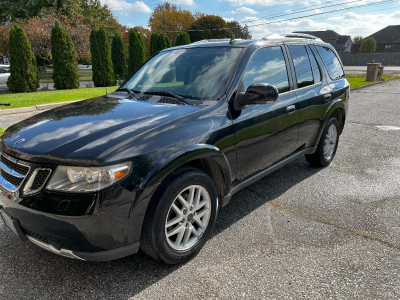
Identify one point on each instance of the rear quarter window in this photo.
(331, 61)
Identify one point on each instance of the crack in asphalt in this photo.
(353, 231)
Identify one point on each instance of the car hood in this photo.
(101, 122)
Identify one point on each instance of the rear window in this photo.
(302, 66)
(315, 67)
(331, 62)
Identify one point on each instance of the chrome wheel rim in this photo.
(330, 142)
(188, 217)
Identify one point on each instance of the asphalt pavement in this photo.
(299, 233)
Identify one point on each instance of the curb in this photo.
(40, 107)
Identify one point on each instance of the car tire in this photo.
(327, 145)
(180, 217)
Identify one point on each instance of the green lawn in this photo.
(357, 80)
(84, 75)
(36, 98)
(2, 130)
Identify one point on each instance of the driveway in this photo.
(300, 233)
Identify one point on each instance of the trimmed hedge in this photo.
(24, 75)
(65, 70)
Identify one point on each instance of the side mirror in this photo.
(257, 94)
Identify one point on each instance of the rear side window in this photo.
(331, 62)
(302, 66)
(267, 66)
(314, 66)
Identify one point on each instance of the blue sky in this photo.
(264, 17)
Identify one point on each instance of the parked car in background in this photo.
(4, 74)
(149, 165)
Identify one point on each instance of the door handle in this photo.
(327, 97)
(290, 109)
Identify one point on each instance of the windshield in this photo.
(194, 73)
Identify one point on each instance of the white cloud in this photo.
(122, 5)
(181, 2)
(347, 24)
(262, 2)
(244, 10)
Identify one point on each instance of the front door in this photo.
(266, 133)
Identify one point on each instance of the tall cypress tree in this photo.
(137, 50)
(162, 42)
(153, 43)
(118, 57)
(65, 70)
(167, 41)
(182, 39)
(24, 75)
(103, 73)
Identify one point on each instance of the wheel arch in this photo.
(206, 158)
(337, 110)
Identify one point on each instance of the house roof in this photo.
(388, 35)
(329, 36)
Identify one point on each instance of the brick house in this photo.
(342, 43)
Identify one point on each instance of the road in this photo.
(388, 70)
(300, 233)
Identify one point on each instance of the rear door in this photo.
(266, 133)
(312, 95)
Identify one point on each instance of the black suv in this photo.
(149, 165)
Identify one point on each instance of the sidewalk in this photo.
(11, 116)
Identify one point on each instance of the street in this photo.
(299, 233)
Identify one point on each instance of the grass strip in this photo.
(36, 98)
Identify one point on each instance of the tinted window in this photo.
(331, 62)
(302, 66)
(314, 66)
(267, 66)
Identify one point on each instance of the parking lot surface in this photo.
(299, 233)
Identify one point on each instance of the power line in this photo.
(322, 13)
(304, 10)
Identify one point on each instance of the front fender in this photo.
(185, 155)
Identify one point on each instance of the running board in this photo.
(225, 200)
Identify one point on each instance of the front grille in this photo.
(21, 169)
(37, 181)
(15, 181)
(12, 173)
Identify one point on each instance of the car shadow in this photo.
(28, 271)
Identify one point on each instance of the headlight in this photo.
(87, 179)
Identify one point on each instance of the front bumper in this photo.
(103, 225)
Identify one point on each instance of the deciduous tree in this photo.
(170, 20)
(24, 75)
(240, 32)
(65, 71)
(368, 45)
(209, 27)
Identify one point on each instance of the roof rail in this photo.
(301, 36)
(211, 41)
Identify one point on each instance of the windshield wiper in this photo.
(181, 98)
(131, 92)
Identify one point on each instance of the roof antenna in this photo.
(101, 64)
(232, 41)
